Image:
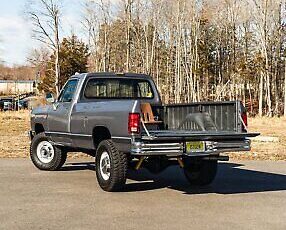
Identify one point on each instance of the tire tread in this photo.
(60, 155)
(119, 167)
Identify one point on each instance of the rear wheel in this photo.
(46, 156)
(111, 166)
(200, 172)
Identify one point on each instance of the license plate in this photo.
(195, 146)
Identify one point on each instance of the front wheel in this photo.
(110, 166)
(44, 155)
(200, 172)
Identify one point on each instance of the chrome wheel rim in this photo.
(104, 165)
(45, 152)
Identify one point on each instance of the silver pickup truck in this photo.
(120, 119)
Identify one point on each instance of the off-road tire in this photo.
(58, 160)
(200, 172)
(118, 167)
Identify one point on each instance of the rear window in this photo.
(118, 88)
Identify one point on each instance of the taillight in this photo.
(134, 123)
(244, 118)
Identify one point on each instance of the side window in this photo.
(68, 91)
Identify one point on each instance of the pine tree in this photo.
(73, 58)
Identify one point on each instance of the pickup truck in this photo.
(120, 119)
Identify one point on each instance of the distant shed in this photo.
(16, 87)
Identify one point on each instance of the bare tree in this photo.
(38, 59)
(97, 16)
(128, 18)
(45, 16)
(285, 87)
(0, 49)
(196, 49)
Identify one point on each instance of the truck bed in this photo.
(200, 121)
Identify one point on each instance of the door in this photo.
(59, 114)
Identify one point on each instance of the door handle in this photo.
(85, 121)
(55, 106)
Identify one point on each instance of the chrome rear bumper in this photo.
(178, 149)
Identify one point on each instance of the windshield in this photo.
(68, 91)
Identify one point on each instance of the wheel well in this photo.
(39, 128)
(99, 134)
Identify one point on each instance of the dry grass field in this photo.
(272, 127)
(14, 141)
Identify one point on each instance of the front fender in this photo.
(39, 115)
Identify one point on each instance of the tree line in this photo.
(195, 50)
(16, 73)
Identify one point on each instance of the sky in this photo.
(15, 32)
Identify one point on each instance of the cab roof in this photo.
(113, 75)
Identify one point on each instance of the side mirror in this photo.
(50, 98)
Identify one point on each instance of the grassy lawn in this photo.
(14, 141)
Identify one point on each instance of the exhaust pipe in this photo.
(216, 158)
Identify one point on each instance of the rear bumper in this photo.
(178, 148)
